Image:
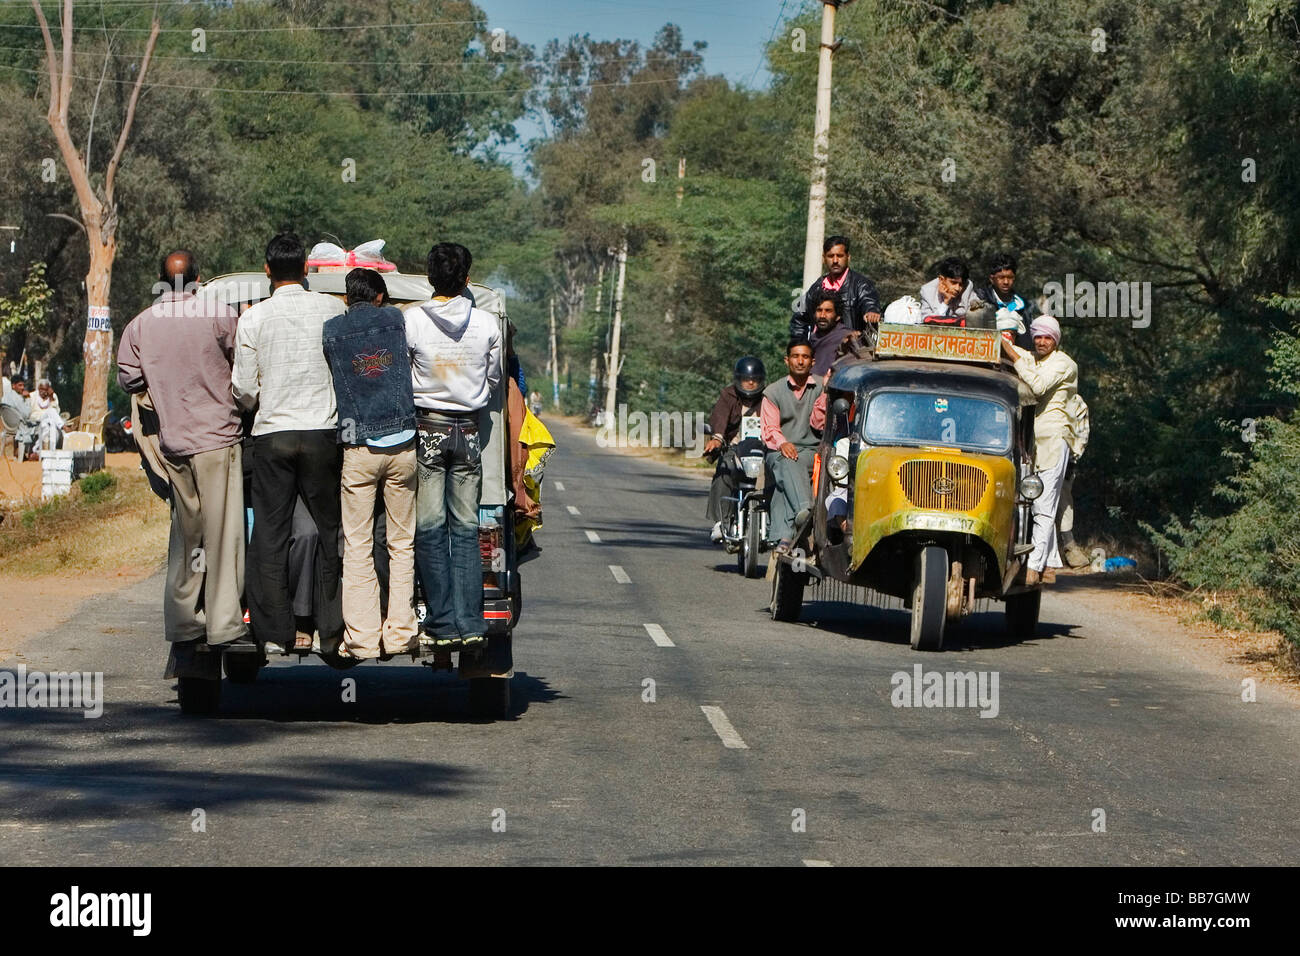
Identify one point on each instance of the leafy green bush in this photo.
(97, 486)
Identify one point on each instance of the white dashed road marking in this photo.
(723, 727)
(573, 510)
(658, 636)
(559, 486)
(593, 537)
(619, 574)
(818, 863)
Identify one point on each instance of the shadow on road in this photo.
(383, 695)
(893, 626)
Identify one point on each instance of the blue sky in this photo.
(735, 30)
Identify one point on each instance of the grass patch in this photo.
(109, 520)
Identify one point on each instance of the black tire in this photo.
(929, 598)
(489, 697)
(787, 593)
(198, 696)
(1022, 614)
(752, 546)
(242, 667)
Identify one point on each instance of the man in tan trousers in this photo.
(371, 367)
(180, 350)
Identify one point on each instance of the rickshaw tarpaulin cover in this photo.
(950, 344)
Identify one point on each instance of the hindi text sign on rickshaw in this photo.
(937, 342)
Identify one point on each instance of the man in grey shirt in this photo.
(180, 350)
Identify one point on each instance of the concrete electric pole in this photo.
(615, 362)
(812, 252)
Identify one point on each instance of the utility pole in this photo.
(555, 364)
(615, 361)
(812, 250)
(593, 372)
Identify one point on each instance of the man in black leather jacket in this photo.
(861, 303)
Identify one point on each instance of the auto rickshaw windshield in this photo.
(930, 418)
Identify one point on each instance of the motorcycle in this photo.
(744, 534)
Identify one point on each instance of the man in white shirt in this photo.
(455, 363)
(280, 370)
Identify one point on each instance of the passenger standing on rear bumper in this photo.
(455, 363)
(177, 353)
(367, 353)
(280, 369)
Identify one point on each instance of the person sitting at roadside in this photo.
(17, 398)
(828, 333)
(789, 434)
(45, 416)
(946, 298)
(1053, 379)
(371, 367)
(742, 399)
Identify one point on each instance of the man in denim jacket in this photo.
(368, 358)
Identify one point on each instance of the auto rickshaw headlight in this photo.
(1031, 486)
(838, 467)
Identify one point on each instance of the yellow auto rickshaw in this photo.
(923, 484)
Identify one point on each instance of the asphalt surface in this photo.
(1092, 715)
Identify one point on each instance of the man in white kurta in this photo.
(1053, 378)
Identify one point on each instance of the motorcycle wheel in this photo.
(752, 546)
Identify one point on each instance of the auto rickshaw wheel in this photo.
(752, 546)
(787, 593)
(1022, 614)
(198, 696)
(929, 598)
(489, 697)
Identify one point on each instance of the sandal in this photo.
(302, 642)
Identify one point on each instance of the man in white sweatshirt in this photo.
(455, 364)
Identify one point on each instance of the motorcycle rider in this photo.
(743, 398)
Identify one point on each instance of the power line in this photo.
(224, 89)
(770, 37)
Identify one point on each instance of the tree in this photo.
(99, 212)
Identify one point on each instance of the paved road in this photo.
(822, 768)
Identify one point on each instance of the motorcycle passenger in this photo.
(741, 399)
(788, 432)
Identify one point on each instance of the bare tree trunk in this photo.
(98, 207)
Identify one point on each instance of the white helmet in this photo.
(904, 311)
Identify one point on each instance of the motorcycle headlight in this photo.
(1031, 486)
(753, 467)
(837, 466)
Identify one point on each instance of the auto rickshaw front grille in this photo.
(942, 485)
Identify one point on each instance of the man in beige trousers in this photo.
(180, 350)
(370, 363)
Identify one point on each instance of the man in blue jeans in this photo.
(455, 363)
